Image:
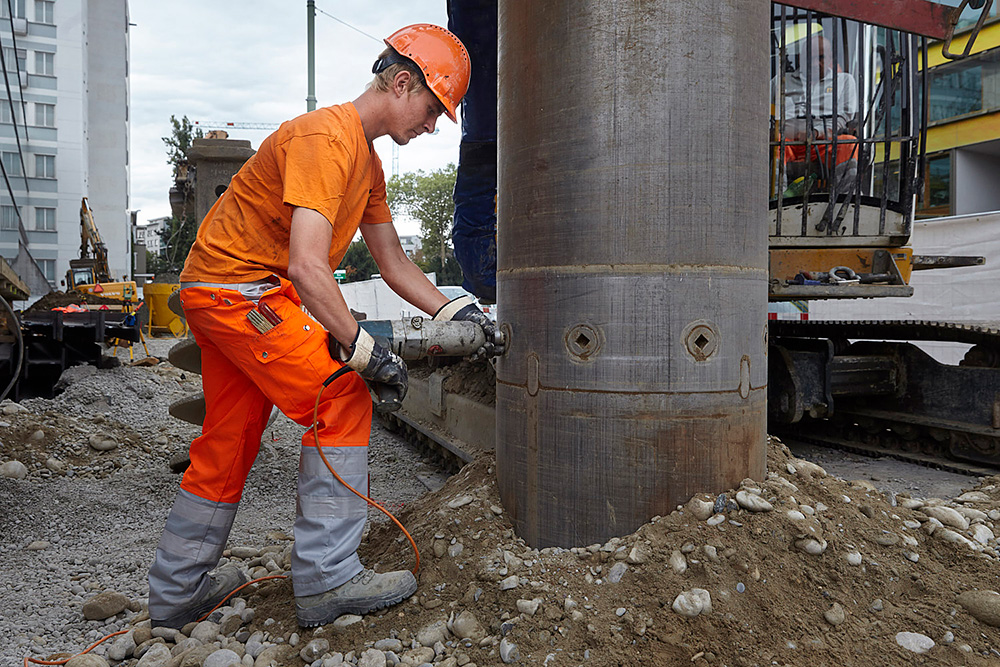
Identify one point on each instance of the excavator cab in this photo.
(846, 145)
(81, 272)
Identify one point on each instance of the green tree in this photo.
(426, 197)
(358, 262)
(182, 133)
(176, 239)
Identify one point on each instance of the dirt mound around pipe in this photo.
(801, 568)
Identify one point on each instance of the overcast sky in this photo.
(245, 61)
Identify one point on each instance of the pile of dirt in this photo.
(57, 299)
(801, 568)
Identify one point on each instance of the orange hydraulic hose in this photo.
(315, 430)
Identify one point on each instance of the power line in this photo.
(347, 24)
(221, 125)
(20, 87)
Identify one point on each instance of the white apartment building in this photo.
(64, 129)
(148, 234)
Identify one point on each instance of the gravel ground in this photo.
(95, 523)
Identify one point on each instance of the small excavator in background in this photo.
(90, 274)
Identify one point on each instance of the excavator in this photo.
(90, 273)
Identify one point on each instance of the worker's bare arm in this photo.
(403, 276)
(309, 270)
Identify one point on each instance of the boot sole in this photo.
(178, 621)
(328, 613)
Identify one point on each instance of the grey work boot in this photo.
(367, 591)
(224, 581)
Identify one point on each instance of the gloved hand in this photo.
(380, 366)
(464, 308)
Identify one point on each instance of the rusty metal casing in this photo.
(632, 259)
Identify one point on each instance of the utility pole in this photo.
(311, 54)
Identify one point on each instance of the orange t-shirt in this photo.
(319, 161)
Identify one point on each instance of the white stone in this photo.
(509, 583)
(693, 602)
(700, 509)
(811, 546)
(914, 641)
(716, 520)
(947, 516)
(223, 658)
(528, 607)
(13, 470)
(752, 502)
(853, 558)
(973, 497)
(678, 563)
(805, 468)
(911, 503)
(982, 534)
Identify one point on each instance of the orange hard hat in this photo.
(442, 58)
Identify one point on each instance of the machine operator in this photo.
(265, 251)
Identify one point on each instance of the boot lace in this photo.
(363, 577)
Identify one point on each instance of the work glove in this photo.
(380, 366)
(464, 308)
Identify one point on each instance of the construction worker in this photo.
(267, 249)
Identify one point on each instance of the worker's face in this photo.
(821, 55)
(414, 114)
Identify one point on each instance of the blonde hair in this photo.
(383, 80)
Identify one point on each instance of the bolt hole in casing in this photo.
(632, 248)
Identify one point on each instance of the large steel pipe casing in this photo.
(632, 248)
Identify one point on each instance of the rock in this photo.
(158, 655)
(678, 563)
(345, 621)
(973, 497)
(804, 468)
(467, 626)
(980, 533)
(38, 545)
(617, 572)
(508, 651)
(509, 583)
(853, 558)
(877, 604)
(13, 470)
(230, 623)
(811, 546)
(101, 444)
(122, 647)
(206, 632)
(947, 516)
(911, 503)
(87, 660)
(104, 605)
(693, 602)
(528, 607)
(637, 555)
(460, 501)
(314, 649)
(433, 633)
(984, 606)
(393, 645)
(455, 550)
(716, 519)
(949, 535)
(701, 509)
(372, 658)
(223, 658)
(419, 655)
(752, 502)
(835, 615)
(914, 641)
(275, 656)
(245, 552)
(55, 465)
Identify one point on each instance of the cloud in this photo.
(244, 61)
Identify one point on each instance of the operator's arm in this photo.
(309, 270)
(401, 275)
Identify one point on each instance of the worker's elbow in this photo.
(302, 274)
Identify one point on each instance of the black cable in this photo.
(13, 39)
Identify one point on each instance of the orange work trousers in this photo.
(245, 372)
(847, 149)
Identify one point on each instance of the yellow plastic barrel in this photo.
(160, 316)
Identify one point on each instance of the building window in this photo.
(18, 9)
(6, 115)
(8, 217)
(45, 63)
(11, 163)
(45, 166)
(45, 115)
(45, 219)
(965, 87)
(48, 267)
(45, 11)
(15, 58)
(935, 200)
